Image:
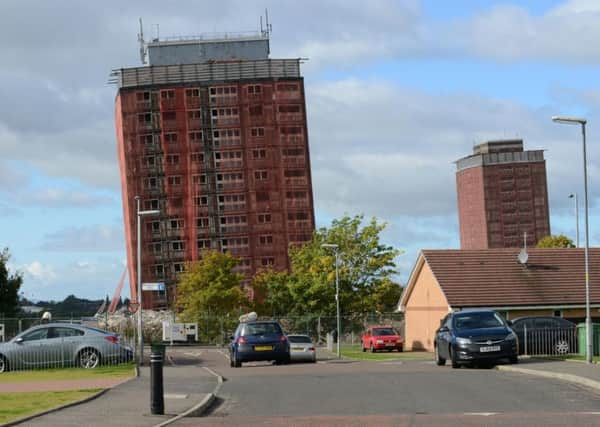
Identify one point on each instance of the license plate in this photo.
(298, 348)
(263, 348)
(488, 349)
(391, 344)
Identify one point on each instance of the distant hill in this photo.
(71, 306)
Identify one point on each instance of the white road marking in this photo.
(481, 414)
(175, 396)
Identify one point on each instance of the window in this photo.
(295, 194)
(289, 108)
(254, 89)
(151, 183)
(167, 94)
(287, 87)
(199, 179)
(151, 204)
(153, 227)
(261, 175)
(223, 90)
(264, 218)
(158, 270)
(201, 201)
(64, 332)
(142, 96)
(149, 161)
(267, 262)
(262, 196)
(234, 242)
(192, 93)
(259, 154)
(176, 224)
(265, 240)
(194, 114)
(292, 152)
(174, 181)
(203, 244)
(38, 334)
(257, 132)
(155, 247)
(291, 130)
(178, 267)
(146, 139)
(197, 157)
(145, 118)
(195, 137)
(170, 137)
(297, 216)
(178, 246)
(202, 222)
(172, 159)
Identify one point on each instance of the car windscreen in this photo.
(261, 329)
(477, 320)
(299, 339)
(383, 332)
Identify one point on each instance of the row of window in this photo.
(197, 136)
(235, 156)
(222, 112)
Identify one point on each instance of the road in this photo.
(411, 393)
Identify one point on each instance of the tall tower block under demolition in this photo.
(213, 133)
(502, 194)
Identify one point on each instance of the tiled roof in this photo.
(495, 278)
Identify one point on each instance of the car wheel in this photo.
(453, 358)
(89, 358)
(513, 360)
(561, 347)
(372, 348)
(3, 364)
(400, 349)
(231, 362)
(439, 360)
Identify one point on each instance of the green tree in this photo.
(559, 241)
(365, 271)
(9, 287)
(210, 287)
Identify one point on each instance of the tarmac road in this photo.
(415, 393)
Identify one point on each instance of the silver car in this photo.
(302, 349)
(60, 345)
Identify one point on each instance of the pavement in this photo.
(572, 371)
(188, 388)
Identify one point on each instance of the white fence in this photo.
(548, 341)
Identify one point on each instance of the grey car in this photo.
(60, 345)
(302, 349)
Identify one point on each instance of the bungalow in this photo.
(551, 282)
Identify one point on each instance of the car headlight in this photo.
(379, 342)
(463, 341)
(511, 337)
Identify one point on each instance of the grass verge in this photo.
(355, 352)
(18, 405)
(118, 371)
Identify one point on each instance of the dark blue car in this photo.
(258, 341)
(474, 336)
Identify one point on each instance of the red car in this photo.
(381, 338)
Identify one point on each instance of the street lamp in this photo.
(336, 250)
(571, 196)
(588, 318)
(140, 329)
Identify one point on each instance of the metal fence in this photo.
(548, 341)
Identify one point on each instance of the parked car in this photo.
(545, 335)
(473, 336)
(302, 349)
(258, 340)
(62, 344)
(378, 338)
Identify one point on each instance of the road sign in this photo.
(156, 286)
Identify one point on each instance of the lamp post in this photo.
(140, 214)
(588, 318)
(571, 196)
(336, 250)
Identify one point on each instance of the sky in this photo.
(396, 91)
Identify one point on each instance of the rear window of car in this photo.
(261, 329)
(384, 331)
(299, 339)
(102, 331)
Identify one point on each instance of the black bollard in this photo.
(157, 400)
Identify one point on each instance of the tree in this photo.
(9, 287)
(365, 271)
(559, 241)
(210, 287)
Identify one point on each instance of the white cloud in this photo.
(94, 238)
(40, 272)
